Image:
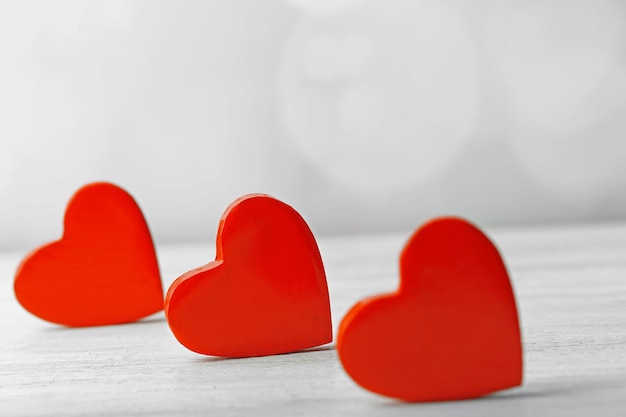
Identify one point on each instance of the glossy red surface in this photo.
(102, 271)
(449, 332)
(264, 294)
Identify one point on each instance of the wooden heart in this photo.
(449, 332)
(264, 294)
(102, 271)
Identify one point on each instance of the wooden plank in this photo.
(571, 289)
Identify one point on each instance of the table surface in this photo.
(570, 284)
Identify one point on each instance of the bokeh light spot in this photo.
(325, 6)
(562, 67)
(361, 110)
(326, 58)
(381, 104)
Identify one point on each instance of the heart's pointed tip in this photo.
(428, 395)
(102, 316)
(247, 348)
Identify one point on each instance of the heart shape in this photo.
(102, 271)
(264, 294)
(451, 329)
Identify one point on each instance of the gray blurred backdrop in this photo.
(363, 115)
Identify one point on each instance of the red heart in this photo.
(264, 294)
(449, 332)
(103, 270)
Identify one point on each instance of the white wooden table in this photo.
(570, 284)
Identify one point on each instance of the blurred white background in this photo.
(363, 115)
